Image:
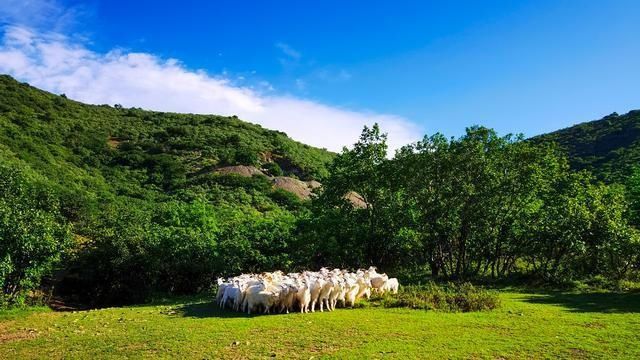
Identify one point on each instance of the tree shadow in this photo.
(604, 302)
(209, 310)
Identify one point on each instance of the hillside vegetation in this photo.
(136, 152)
(609, 147)
(134, 183)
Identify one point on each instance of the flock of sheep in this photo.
(278, 292)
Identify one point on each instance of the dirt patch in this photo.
(266, 157)
(60, 304)
(242, 170)
(23, 334)
(113, 143)
(595, 325)
(578, 353)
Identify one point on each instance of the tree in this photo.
(479, 205)
(33, 235)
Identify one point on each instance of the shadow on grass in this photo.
(605, 302)
(209, 310)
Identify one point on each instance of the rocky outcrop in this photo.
(356, 200)
(242, 170)
(302, 189)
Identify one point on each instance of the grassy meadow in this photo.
(526, 325)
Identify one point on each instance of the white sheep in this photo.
(392, 285)
(303, 297)
(316, 286)
(280, 292)
(325, 292)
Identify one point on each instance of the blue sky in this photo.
(517, 66)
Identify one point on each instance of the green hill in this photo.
(90, 151)
(154, 201)
(608, 147)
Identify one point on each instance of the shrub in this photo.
(285, 198)
(450, 297)
(628, 285)
(136, 250)
(33, 235)
(273, 169)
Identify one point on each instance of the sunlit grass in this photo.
(549, 325)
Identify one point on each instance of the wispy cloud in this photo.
(289, 51)
(40, 14)
(331, 76)
(66, 65)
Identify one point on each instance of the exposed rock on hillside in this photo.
(314, 184)
(300, 188)
(242, 170)
(356, 199)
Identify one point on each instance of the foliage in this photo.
(175, 247)
(609, 147)
(450, 297)
(33, 235)
(150, 213)
(480, 205)
(273, 169)
(632, 185)
(148, 210)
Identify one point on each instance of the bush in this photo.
(628, 285)
(33, 235)
(273, 169)
(450, 297)
(285, 198)
(136, 250)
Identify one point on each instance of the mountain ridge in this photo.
(608, 147)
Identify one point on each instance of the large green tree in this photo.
(33, 235)
(478, 205)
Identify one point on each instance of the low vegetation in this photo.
(449, 298)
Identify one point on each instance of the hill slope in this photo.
(608, 147)
(156, 201)
(96, 151)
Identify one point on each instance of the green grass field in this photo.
(527, 325)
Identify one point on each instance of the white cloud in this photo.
(61, 65)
